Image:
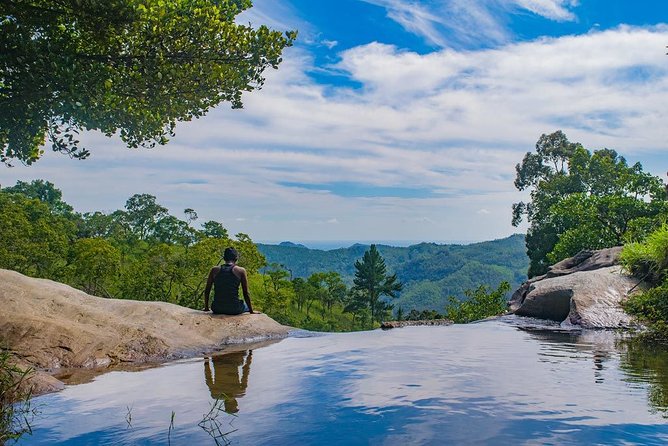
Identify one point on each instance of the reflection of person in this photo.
(226, 280)
(224, 381)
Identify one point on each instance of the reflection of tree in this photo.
(574, 343)
(647, 362)
(222, 376)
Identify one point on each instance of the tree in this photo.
(213, 229)
(302, 291)
(355, 303)
(142, 213)
(33, 240)
(122, 67)
(582, 200)
(336, 290)
(44, 191)
(328, 288)
(95, 263)
(275, 286)
(98, 224)
(372, 282)
(171, 230)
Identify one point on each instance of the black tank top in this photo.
(226, 292)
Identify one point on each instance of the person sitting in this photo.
(226, 280)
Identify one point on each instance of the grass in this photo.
(16, 413)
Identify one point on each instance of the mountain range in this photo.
(430, 272)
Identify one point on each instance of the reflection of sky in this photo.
(486, 383)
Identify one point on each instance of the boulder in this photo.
(48, 326)
(586, 290)
(585, 261)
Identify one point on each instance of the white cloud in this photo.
(453, 123)
(276, 14)
(329, 43)
(559, 10)
(450, 23)
(483, 212)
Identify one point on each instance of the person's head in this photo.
(230, 255)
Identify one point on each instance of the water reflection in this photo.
(599, 347)
(647, 362)
(227, 377)
(498, 382)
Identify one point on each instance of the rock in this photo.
(585, 290)
(586, 261)
(48, 326)
(398, 324)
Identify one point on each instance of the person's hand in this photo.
(206, 309)
(254, 312)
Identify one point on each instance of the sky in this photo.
(398, 119)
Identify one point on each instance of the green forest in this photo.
(143, 252)
(431, 273)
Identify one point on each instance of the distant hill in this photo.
(430, 272)
(291, 245)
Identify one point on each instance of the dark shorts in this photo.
(230, 309)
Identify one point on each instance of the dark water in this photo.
(500, 382)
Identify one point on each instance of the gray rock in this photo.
(398, 324)
(586, 261)
(586, 290)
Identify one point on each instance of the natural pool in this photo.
(509, 381)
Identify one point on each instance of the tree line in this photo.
(583, 200)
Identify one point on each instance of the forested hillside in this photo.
(430, 272)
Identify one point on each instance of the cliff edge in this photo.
(48, 326)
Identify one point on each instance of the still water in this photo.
(509, 381)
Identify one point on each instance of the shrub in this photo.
(649, 261)
(481, 303)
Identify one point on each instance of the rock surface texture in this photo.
(399, 324)
(48, 326)
(585, 290)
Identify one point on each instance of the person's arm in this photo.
(244, 288)
(207, 290)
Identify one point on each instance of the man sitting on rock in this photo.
(226, 280)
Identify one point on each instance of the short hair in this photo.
(230, 254)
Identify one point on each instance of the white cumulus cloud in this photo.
(452, 123)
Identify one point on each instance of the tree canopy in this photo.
(583, 200)
(127, 67)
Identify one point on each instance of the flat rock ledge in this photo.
(50, 326)
(585, 290)
(398, 324)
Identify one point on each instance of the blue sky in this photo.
(398, 119)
